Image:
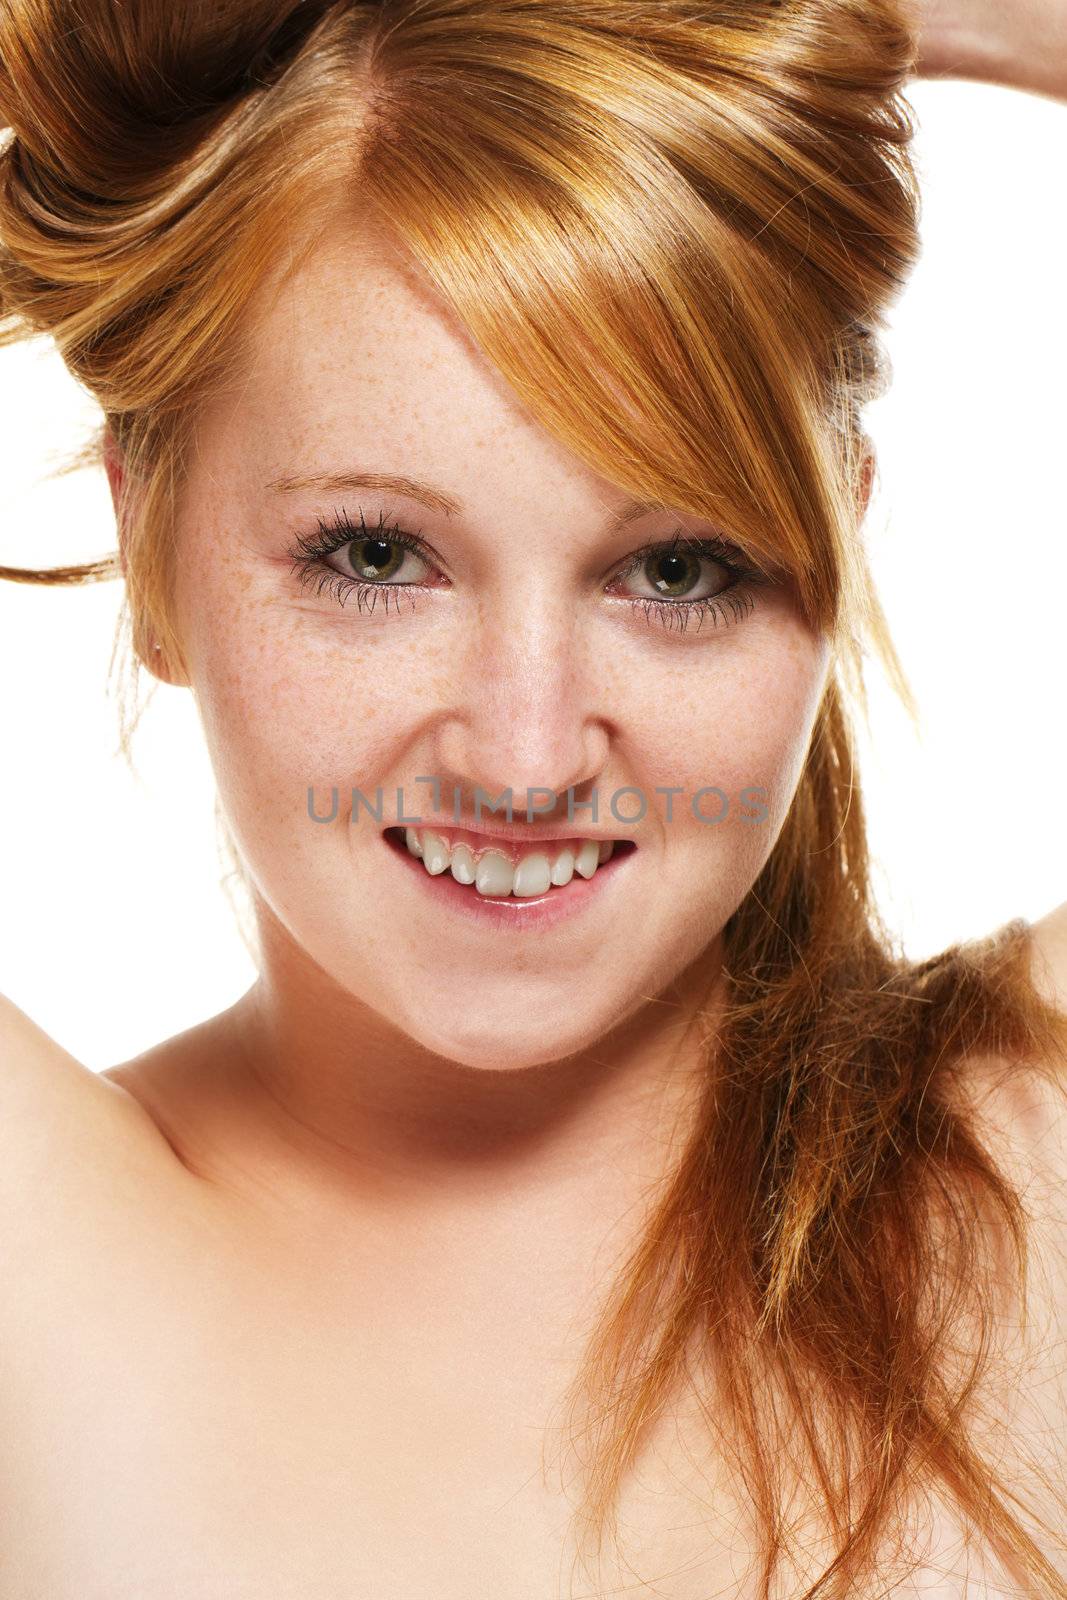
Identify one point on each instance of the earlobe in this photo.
(154, 658)
(868, 467)
(112, 461)
(148, 650)
(116, 472)
(155, 662)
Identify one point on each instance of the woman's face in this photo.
(510, 657)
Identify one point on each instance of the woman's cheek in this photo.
(737, 735)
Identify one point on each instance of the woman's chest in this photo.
(174, 1424)
(134, 1475)
(184, 1417)
(136, 1472)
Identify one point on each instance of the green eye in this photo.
(676, 590)
(673, 575)
(684, 578)
(376, 558)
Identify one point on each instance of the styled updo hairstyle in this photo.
(676, 230)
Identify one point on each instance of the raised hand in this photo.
(1021, 44)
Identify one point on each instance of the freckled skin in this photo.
(514, 668)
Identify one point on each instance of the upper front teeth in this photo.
(494, 873)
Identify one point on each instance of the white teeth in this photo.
(494, 873)
(462, 864)
(532, 876)
(588, 858)
(563, 871)
(434, 853)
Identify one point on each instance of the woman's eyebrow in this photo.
(392, 483)
(427, 493)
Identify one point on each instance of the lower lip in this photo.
(534, 911)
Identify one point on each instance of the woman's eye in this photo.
(676, 583)
(677, 575)
(369, 564)
(380, 560)
(687, 582)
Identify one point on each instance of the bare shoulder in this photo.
(1030, 1107)
(1049, 941)
(1022, 1112)
(59, 1119)
(1018, 1111)
(35, 1069)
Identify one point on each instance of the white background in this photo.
(114, 930)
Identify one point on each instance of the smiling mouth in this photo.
(500, 869)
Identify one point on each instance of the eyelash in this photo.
(309, 553)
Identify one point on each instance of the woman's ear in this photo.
(146, 647)
(113, 465)
(865, 480)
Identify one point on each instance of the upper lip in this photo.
(512, 830)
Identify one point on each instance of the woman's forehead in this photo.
(354, 362)
(353, 359)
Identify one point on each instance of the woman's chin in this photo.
(503, 1044)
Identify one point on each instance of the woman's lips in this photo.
(527, 912)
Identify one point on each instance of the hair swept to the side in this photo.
(676, 230)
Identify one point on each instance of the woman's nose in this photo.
(526, 714)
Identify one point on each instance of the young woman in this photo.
(483, 386)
